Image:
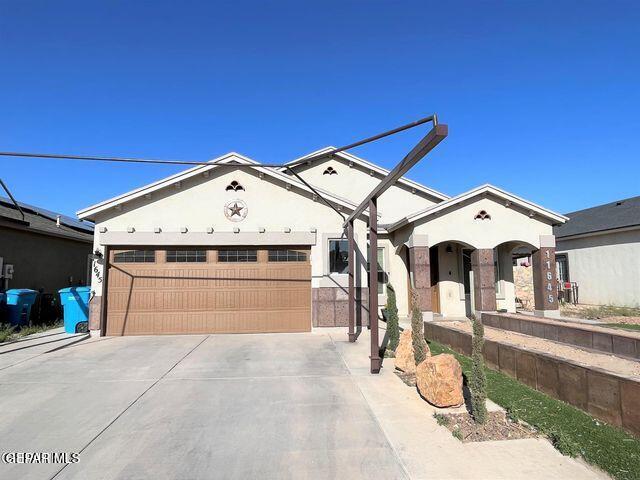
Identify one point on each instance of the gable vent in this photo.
(234, 186)
(482, 215)
(330, 171)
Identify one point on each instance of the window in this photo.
(562, 268)
(237, 256)
(338, 256)
(382, 275)
(287, 256)
(330, 171)
(135, 256)
(234, 186)
(185, 256)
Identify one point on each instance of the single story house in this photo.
(257, 249)
(42, 250)
(599, 250)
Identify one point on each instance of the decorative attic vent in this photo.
(234, 186)
(482, 215)
(330, 171)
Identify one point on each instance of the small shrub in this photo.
(478, 384)
(417, 330)
(441, 419)
(457, 433)
(392, 318)
(564, 444)
(6, 332)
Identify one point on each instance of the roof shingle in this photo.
(620, 214)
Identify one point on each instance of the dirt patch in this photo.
(497, 427)
(604, 313)
(612, 363)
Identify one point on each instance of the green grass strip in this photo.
(571, 430)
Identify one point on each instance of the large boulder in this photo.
(404, 359)
(439, 381)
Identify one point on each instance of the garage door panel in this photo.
(166, 298)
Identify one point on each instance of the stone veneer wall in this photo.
(95, 310)
(523, 282)
(607, 396)
(330, 306)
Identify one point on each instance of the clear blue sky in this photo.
(542, 98)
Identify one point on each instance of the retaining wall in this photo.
(623, 344)
(609, 397)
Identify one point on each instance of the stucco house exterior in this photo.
(599, 249)
(42, 250)
(254, 249)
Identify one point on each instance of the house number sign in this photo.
(548, 273)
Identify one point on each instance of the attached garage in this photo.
(162, 290)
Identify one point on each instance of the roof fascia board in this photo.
(486, 188)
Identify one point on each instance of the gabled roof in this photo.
(231, 157)
(478, 191)
(44, 221)
(375, 168)
(614, 215)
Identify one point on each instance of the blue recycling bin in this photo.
(19, 303)
(3, 307)
(75, 303)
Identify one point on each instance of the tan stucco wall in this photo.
(606, 267)
(506, 224)
(199, 203)
(354, 183)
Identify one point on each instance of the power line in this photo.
(54, 156)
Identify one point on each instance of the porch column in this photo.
(545, 284)
(373, 285)
(352, 290)
(484, 281)
(420, 273)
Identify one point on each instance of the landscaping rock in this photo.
(405, 360)
(439, 381)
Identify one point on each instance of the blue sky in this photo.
(542, 98)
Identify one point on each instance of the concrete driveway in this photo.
(191, 407)
(238, 406)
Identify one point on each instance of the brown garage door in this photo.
(162, 291)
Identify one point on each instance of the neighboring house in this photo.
(228, 249)
(599, 249)
(42, 250)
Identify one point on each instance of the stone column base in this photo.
(547, 313)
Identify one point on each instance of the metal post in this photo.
(352, 290)
(373, 285)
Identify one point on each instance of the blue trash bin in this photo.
(75, 303)
(19, 303)
(3, 307)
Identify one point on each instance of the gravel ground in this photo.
(605, 361)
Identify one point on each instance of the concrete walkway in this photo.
(238, 406)
(429, 451)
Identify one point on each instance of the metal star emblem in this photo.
(235, 209)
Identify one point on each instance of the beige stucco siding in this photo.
(354, 183)
(199, 204)
(606, 267)
(506, 224)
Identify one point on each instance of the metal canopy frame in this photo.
(437, 133)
